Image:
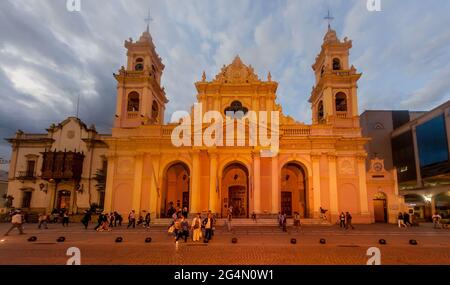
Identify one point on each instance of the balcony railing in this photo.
(132, 115)
(26, 175)
(341, 115)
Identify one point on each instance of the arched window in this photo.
(133, 102)
(341, 102)
(155, 111)
(336, 64)
(139, 64)
(320, 114)
(235, 107)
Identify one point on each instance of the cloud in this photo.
(49, 57)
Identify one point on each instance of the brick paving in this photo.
(256, 245)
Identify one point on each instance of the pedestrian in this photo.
(43, 220)
(284, 222)
(208, 224)
(280, 219)
(348, 221)
(400, 221)
(185, 212)
(406, 219)
(176, 229)
(342, 220)
(296, 219)
(184, 229)
(65, 219)
(436, 220)
(230, 213)
(254, 217)
(112, 220)
(140, 221)
(117, 219)
(131, 219)
(196, 228)
(86, 219)
(16, 222)
(147, 220)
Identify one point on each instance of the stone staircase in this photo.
(251, 223)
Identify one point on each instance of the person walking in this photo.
(16, 222)
(112, 219)
(43, 220)
(284, 222)
(400, 221)
(342, 220)
(406, 219)
(348, 221)
(185, 212)
(147, 220)
(208, 224)
(196, 228)
(131, 220)
(230, 213)
(254, 217)
(436, 220)
(65, 219)
(86, 219)
(280, 219)
(296, 219)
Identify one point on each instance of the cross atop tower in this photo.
(148, 20)
(329, 18)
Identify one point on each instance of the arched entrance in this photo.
(380, 208)
(176, 188)
(235, 190)
(293, 190)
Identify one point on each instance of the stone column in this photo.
(275, 186)
(195, 194)
(213, 193)
(256, 182)
(333, 186)
(109, 190)
(137, 187)
(316, 184)
(416, 158)
(364, 203)
(154, 187)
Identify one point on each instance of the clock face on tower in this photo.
(377, 166)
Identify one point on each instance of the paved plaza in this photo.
(256, 245)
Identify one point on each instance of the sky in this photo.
(50, 56)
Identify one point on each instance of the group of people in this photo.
(141, 221)
(404, 220)
(345, 221)
(180, 227)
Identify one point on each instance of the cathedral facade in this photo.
(321, 165)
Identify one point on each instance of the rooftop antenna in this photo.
(329, 18)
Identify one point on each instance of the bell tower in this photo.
(334, 95)
(141, 99)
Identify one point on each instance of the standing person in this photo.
(131, 220)
(65, 220)
(436, 220)
(209, 224)
(254, 217)
(118, 218)
(280, 219)
(147, 220)
(284, 222)
(348, 221)
(86, 219)
(400, 220)
(296, 219)
(176, 229)
(16, 222)
(342, 220)
(184, 229)
(43, 220)
(185, 212)
(196, 228)
(230, 213)
(112, 219)
(406, 219)
(99, 221)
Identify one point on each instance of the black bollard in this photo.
(322, 241)
(293, 241)
(119, 239)
(61, 239)
(148, 240)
